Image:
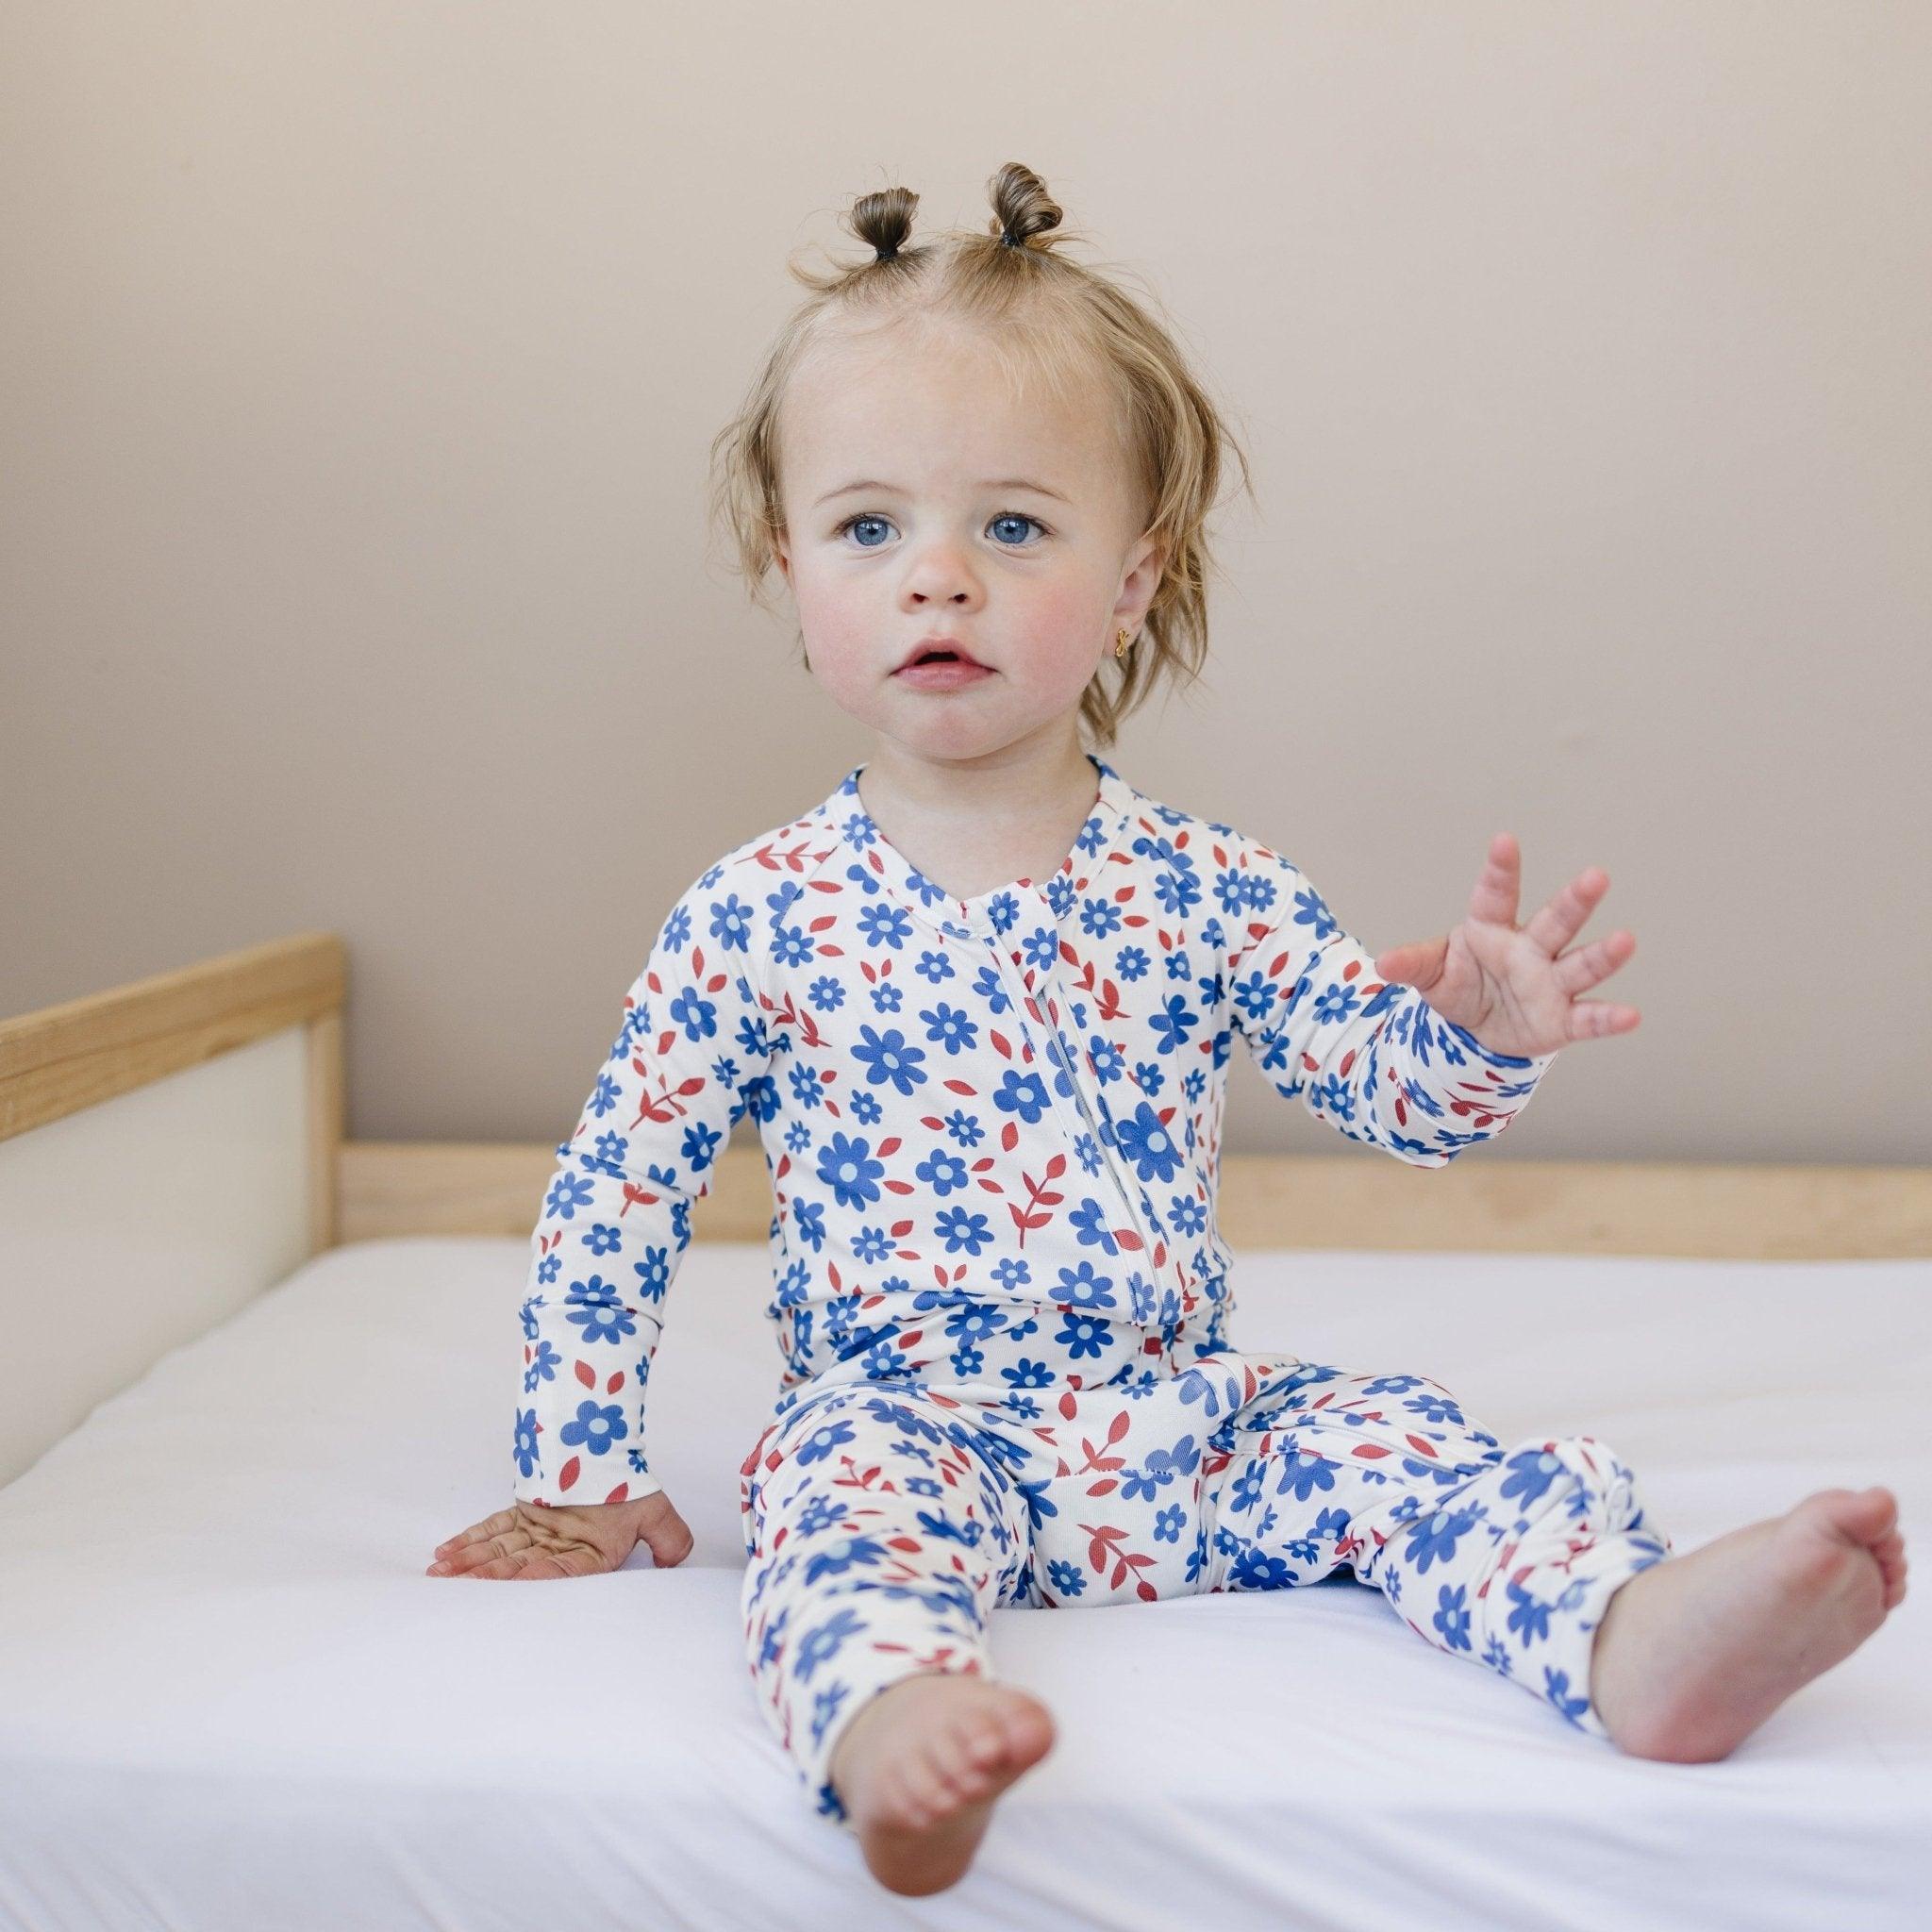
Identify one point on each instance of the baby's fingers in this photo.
(515, 1556)
(473, 1551)
(490, 1526)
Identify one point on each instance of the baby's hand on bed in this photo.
(535, 1540)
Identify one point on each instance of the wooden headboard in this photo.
(171, 1147)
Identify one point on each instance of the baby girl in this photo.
(979, 1003)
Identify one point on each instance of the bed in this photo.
(255, 1379)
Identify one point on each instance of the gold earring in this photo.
(1119, 643)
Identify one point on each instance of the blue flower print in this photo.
(890, 1056)
(847, 1168)
(1534, 1472)
(1144, 1139)
(1080, 1288)
(1530, 1619)
(568, 1193)
(1257, 1569)
(1302, 1474)
(1557, 1686)
(595, 1307)
(951, 1028)
(825, 1707)
(1081, 1336)
(962, 1231)
(884, 925)
(597, 1428)
(823, 1440)
(697, 1016)
(1022, 1093)
(1066, 1579)
(1451, 1618)
(1435, 1537)
(821, 1645)
(836, 1558)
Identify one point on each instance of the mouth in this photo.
(939, 651)
(940, 664)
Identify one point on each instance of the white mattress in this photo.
(230, 1698)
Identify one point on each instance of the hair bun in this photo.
(884, 220)
(1021, 207)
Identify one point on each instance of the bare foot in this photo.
(1695, 1652)
(920, 1766)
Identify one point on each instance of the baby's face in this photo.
(947, 539)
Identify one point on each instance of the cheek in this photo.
(841, 628)
(1060, 635)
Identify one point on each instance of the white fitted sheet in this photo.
(230, 1698)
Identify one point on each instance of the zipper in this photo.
(1087, 1119)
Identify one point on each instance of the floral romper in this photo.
(993, 1127)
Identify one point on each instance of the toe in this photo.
(943, 1761)
(1858, 1516)
(982, 1740)
(1029, 1731)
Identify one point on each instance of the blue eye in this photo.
(1014, 516)
(1010, 516)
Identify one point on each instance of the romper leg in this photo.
(879, 1536)
(1507, 1557)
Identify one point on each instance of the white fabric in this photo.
(230, 1698)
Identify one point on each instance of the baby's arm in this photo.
(689, 1059)
(1372, 1059)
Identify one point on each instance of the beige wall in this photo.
(357, 365)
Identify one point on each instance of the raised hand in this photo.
(1513, 987)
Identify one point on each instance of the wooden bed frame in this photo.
(173, 1147)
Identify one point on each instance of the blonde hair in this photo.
(1042, 315)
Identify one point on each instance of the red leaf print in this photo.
(1069, 1407)
(1421, 1446)
(619, 1494)
(587, 1374)
(1369, 1451)
(567, 1476)
(1009, 1135)
(615, 1383)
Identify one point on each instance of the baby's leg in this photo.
(878, 1543)
(1507, 1557)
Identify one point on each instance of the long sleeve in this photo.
(690, 1057)
(1372, 1059)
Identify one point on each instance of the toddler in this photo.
(980, 1002)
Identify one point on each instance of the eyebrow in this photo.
(894, 490)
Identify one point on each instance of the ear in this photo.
(1146, 560)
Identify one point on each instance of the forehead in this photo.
(928, 405)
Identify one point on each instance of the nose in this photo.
(939, 575)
